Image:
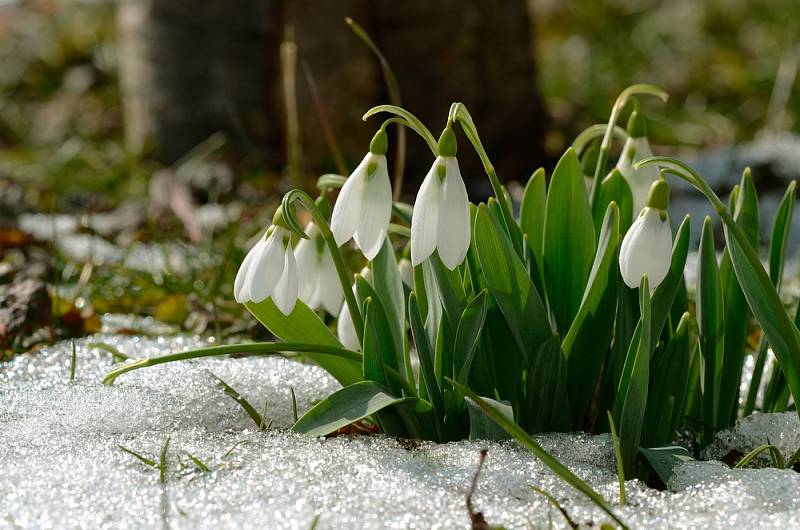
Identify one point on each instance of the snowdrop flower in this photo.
(637, 148)
(364, 206)
(345, 329)
(647, 247)
(269, 269)
(441, 213)
(319, 282)
(406, 272)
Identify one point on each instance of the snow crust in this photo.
(61, 467)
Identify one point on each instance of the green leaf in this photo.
(777, 259)
(665, 459)
(775, 453)
(304, 325)
(569, 244)
(711, 328)
(469, 330)
(450, 289)
(590, 333)
(426, 357)
(737, 313)
(615, 188)
(549, 402)
(388, 286)
(350, 404)
(509, 283)
(532, 209)
(378, 347)
(668, 381)
(633, 385)
(533, 446)
(482, 426)
(664, 295)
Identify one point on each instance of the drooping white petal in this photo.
(305, 254)
(346, 331)
(406, 272)
(641, 179)
(329, 293)
(241, 274)
(285, 294)
(266, 268)
(453, 228)
(375, 211)
(646, 249)
(425, 217)
(346, 211)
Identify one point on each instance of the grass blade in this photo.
(144, 460)
(618, 457)
(238, 398)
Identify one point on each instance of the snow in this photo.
(62, 468)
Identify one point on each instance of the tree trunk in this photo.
(189, 68)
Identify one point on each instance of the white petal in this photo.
(641, 179)
(266, 268)
(346, 211)
(346, 331)
(646, 249)
(425, 216)
(406, 272)
(376, 210)
(285, 294)
(307, 257)
(241, 274)
(329, 291)
(626, 160)
(453, 226)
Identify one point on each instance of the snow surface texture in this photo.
(62, 468)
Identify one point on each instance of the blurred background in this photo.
(143, 143)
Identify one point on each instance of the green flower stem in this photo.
(345, 279)
(411, 121)
(596, 131)
(605, 145)
(256, 348)
(459, 113)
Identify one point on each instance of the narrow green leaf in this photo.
(664, 460)
(482, 426)
(775, 453)
(618, 457)
(737, 313)
(426, 357)
(533, 446)
(144, 460)
(389, 287)
(664, 295)
(350, 404)
(711, 328)
(633, 386)
(469, 330)
(510, 285)
(615, 188)
(550, 403)
(569, 243)
(668, 380)
(590, 333)
(532, 209)
(777, 259)
(304, 325)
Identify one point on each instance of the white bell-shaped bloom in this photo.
(646, 249)
(364, 206)
(345, 329)
(641, 179)
(319, 282)
(441, 215)
(406, 272)
(269, 269)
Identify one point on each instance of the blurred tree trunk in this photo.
(189, 68)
